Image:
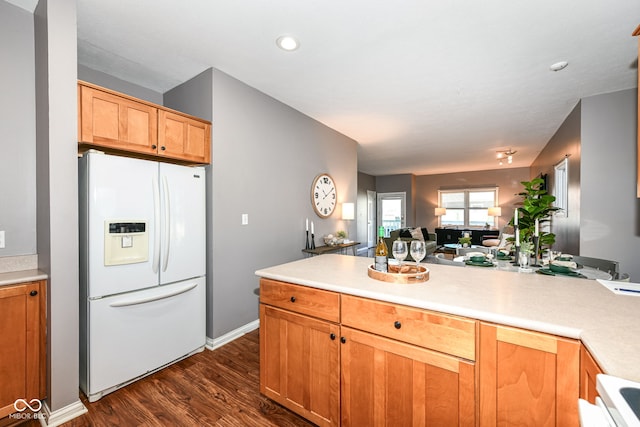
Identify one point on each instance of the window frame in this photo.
(467, 208)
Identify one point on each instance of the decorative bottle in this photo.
(381, 263)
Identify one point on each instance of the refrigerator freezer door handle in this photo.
(167, 223)
(135, 301)
(156, 220)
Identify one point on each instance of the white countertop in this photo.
(570, 307)
(14, 277)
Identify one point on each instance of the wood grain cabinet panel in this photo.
(387, 382)
(301, 299)
(299, 364)
(588, 371)
(182, 137)
(527, 378)
(22, 353)
(112, 121)
(448, 334)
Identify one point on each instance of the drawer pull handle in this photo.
(332, 336)
(397, 324)
(154, 146)
(33, 293)
(343, 340)
(292, 299)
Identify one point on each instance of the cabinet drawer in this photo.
(301, 299)
(436, 331)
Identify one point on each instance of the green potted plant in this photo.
(464, 241)
(536, 204)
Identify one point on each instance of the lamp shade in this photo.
(495, 211)
(348, 211)
(440, 211)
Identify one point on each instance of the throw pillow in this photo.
(417, 234)
(503, 240)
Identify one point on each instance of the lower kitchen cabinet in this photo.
(527, 378)
(22, 344)
(387, 382)
(299, 364)
(588, 371)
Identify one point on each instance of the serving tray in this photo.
(412, 274)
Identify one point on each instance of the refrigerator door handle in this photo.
(167, 223)
(144, 300)
(156, 220)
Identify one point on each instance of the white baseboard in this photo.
(61, 416)
(213, 343)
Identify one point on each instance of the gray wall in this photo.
(57, 191)
(508, 181)
(18, 130)
(565, 142)
(265, 157)
(108, 81)
(609, 208)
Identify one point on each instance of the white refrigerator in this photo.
(142, 268)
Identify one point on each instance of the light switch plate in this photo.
(1, 239)
(245, 219)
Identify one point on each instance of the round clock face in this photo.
(323, 195)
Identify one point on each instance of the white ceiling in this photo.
(423, 86)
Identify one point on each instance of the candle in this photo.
(537, 228)
(517, 238)
(515, 217)
(307, 224)
(311, 227)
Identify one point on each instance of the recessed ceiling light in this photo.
(558, 66)
(288, 43)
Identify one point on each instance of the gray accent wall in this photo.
(18, 130)
(108, 81)
(265, 156)
(609, 208)
(565, 143)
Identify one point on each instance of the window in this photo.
(468, 208)
(560, 188)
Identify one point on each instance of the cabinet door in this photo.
(21, 361)
(112, 121)
(386, 382)
(184, 138)
(588, 371)
(527, 378)
(299, 364)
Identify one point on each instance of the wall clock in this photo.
(323, 195)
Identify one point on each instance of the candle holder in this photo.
(313, 241)
(536, 253)
(306, 244)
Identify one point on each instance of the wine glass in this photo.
(399, 250)
(418, 250)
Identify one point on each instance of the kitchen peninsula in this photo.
(490, 335)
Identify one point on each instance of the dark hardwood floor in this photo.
(211, 388)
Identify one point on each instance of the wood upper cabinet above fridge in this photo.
(115, 122)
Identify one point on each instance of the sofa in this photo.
(409, 234)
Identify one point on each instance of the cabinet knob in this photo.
(33, 293)
(397, 324)
(163, 148)
(332, 336)
(154, 146)
(343, 340)
(292, 299)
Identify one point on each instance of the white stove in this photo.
(618, 404)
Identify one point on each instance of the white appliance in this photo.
(142, 268)
(617, 404)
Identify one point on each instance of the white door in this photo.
(392, 211)
(116, 189)
(372, 234)
(183, 229)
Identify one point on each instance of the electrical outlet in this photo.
(245, 219)
(1, 239)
